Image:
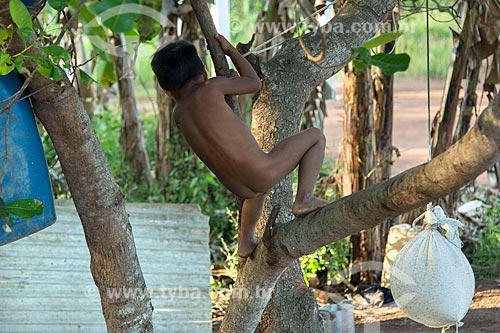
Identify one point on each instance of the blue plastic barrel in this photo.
(27, 175)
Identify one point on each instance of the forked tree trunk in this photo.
(98, 200)
(131, 134)
(276, 115)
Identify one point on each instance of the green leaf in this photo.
(116, 18)
(26, 208)
(18, 63)
(86, 79)
(4, 212)
(364, 53)
(5, 34)
(22, 18)
(382, 39)
(6, 64)
(391, 63)
(58, 4)
(358, 65)
(50, 71)
(56, 53)
(104, 72)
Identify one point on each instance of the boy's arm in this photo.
(247, 82)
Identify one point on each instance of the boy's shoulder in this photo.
(212, 85)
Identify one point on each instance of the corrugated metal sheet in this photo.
(46, 286)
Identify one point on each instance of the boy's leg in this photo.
(307, 149)
(250, 214)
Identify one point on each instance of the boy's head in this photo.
(175, 64)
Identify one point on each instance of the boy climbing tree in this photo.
(225, 144)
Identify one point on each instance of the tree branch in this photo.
(456, 167)
(221, 65)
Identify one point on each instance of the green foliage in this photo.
(488, 253)
(47, 66)
(332, 258)
(243, 17)
(22, 18)
(24, 208)
(382, 39)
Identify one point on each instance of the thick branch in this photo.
(457, 166)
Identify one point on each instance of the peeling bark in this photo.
(443, 134)
(359, 157)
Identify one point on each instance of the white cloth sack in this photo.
(431, 280)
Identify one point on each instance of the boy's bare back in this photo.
(221, 140)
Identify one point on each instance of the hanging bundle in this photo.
(431, 280)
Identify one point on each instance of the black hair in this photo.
(175, 64)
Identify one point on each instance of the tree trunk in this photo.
(359, 157)
(88, 94)
(469, 100)
(131, 135)
(446, 117)
(383, 114)
(165, 104)
(113, 260)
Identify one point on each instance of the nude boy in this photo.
(225, 144)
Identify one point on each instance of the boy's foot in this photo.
(301, 208)
(246, 247)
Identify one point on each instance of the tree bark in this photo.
(100, 204)
(165, 105)
(131, 135)
(469, 100)
(383, 114)
(443, 134)
(359, 157)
